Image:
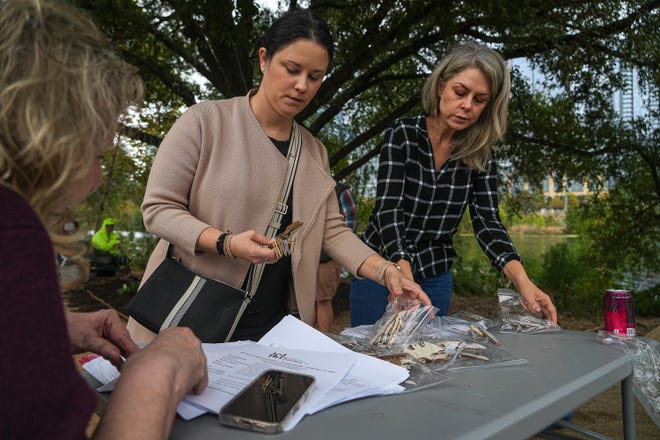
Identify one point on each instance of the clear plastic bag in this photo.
(471, 325)
(471, 329)
(399, 323)
(515, 319)
(420, 375)
(434, 346)
(461, 321)
(645, 354)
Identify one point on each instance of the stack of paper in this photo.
(294, 346)
(369, 376)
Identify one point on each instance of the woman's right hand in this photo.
(176, 352)
(253, 247)
(152, 383)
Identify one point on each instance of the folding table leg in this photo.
(628, 408)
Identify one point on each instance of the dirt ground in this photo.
(602, 414)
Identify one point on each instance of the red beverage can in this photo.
(619, 312)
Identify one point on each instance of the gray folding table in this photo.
(564, 370)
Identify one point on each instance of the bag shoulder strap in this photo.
(292, 164)
(256, 270)
(281, 208)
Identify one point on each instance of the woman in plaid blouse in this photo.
(432, 167)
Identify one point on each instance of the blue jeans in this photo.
(368, 299)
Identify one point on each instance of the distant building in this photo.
(626, 96)
(629, 102)
(557, 187)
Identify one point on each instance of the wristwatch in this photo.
(220, 244)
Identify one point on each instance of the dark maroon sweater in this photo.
(42, 395)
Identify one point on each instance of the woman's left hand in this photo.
(101, 332)
(534, 299)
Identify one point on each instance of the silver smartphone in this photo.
(268, 402)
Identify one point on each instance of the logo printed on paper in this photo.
(285, 357)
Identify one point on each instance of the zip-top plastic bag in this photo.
(402, 318)
(515, 319)
(645, 354)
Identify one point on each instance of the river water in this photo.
(528, 246)
(532, 247)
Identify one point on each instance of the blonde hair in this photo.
(473, 145)
(62, 89)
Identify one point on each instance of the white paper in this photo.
(292, 345)
(102, 370)
(232, 368)
(108, 375)
(189, 411)
(369, 376)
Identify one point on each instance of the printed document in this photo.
(369, 376)
(292, 345)
(233, 368)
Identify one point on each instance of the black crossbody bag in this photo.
(173, 295)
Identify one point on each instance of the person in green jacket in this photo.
(107, 240)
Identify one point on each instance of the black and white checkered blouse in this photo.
(418, 209)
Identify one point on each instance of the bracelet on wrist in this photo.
(220, 244)
(382, 270)
(227, 246)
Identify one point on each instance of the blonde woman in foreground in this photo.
(62, 89)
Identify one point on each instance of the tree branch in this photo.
(139, 135)
(558, 146)
(375, 130)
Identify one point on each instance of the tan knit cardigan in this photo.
(216, 167)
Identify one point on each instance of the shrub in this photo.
(647, 302)
(138, 247)
(559, 273)
(587, 292)
(473, 277)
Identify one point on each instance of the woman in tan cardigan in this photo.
(220, 169)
